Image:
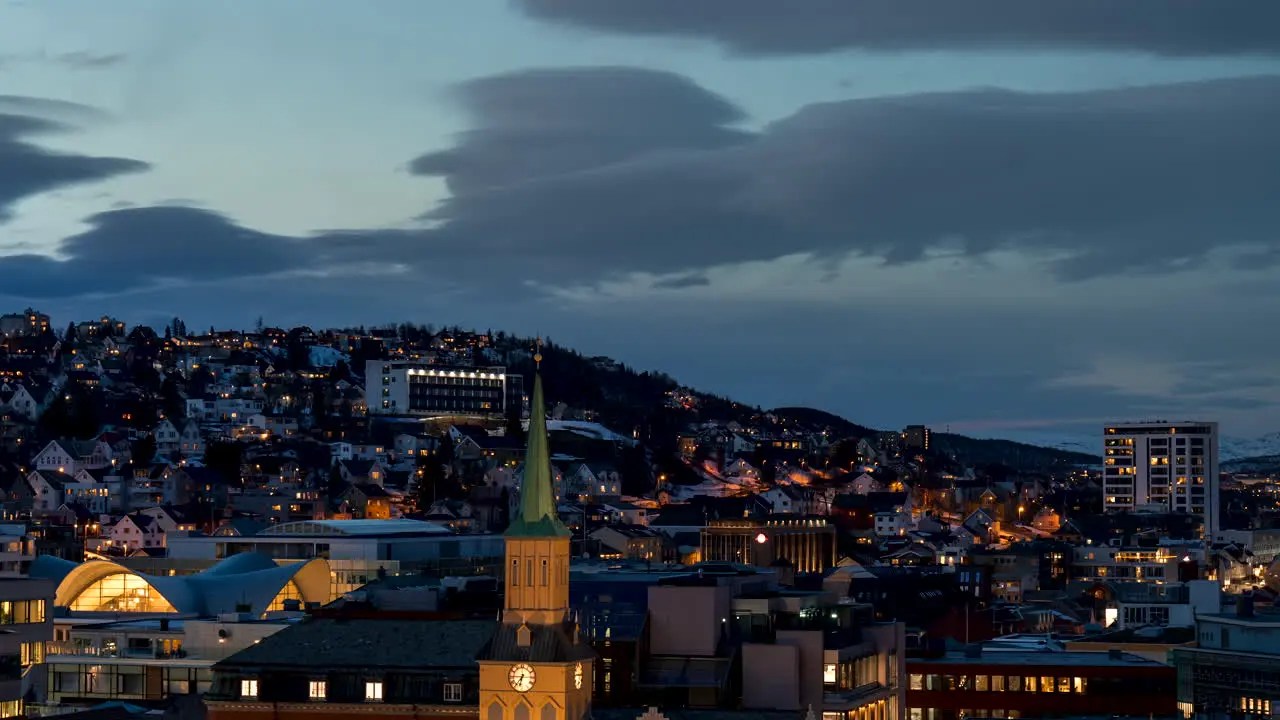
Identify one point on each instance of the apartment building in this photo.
(1163, 467)
(428, 390)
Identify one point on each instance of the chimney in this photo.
(1244, 605)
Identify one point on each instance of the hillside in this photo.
(629, 400)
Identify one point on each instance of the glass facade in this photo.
(121, 592)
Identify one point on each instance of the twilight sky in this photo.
(1006, 217)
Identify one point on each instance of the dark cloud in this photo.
(130, 249)
(543, 123)
(27, 169)
(1138, 180)
(1135, 181)
(1180, 28)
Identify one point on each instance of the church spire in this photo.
(537, 515)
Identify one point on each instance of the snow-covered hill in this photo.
(1229, 448)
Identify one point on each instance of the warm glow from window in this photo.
(248, 688)
(373, 690)
(121, 592)
(829, 673)
(318, 690)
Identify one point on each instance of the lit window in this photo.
(829, 673)
(319, 690)
(248, 688)
(373, 691)
(453, 692)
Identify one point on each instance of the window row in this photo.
(318, 690)
(21, 612)
(1000, 683)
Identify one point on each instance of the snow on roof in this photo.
(588, 429)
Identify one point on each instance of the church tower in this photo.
(535, 667)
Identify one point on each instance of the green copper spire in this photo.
(537, 515)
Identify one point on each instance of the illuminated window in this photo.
(248, 689)
(981, 683)
(1081, 685)
(1046, 684)
(288, 592)
(121, 592)
(829, 673)
(373, 691)
(917, 680)
(997, 683)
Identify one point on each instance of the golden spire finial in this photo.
(537, 353)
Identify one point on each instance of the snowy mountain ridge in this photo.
(1229, 448)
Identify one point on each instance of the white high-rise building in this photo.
(1162, 467)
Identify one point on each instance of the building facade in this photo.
(26, 625)
(1163, 467)
(807, 543)
(426, 390)
(1234, 668)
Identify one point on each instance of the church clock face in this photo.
(521, 678)
(577, 676)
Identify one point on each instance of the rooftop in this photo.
(1042, 658)
(333, 643)
(355, 528)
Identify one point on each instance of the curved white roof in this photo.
(251, 579)
(356, 528)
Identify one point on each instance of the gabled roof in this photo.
(358, 643)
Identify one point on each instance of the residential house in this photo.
(791, 499)
(628, 542)
(134, 532)
(363, 471)
(594, 480)
(892, 513)
(47, 487)
(367, 501)
(19, 399)
(168, 438)
(191, 441)
(68, 456)
(168, 518)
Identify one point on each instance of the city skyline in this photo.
(1004, 229)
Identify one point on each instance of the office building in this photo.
(1000, 682)
(1163, 467)
(1234, 668)
(808, 544)
(404, 388)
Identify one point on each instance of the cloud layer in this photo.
(573, 177)
(761, 27)
(27, 169)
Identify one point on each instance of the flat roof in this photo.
(354, 528)
(1041, 658)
